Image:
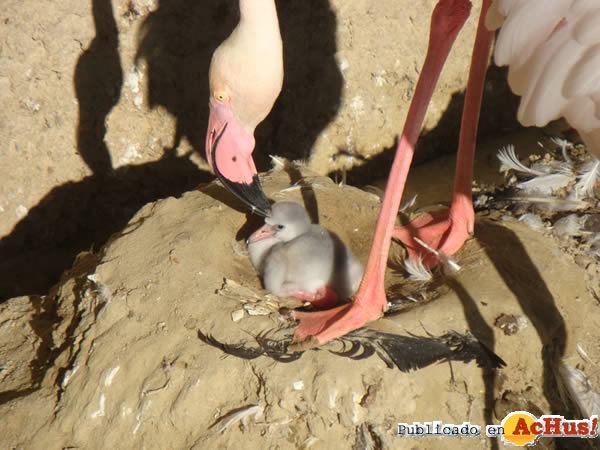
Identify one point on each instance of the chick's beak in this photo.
(264, 232)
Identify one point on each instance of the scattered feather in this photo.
(548, 177)
(278, 162)
(417, 271)
(550, 204)
(408, 204)
(239, 415)
(396, 304)
(298, 187)
(448, 261)
(407, 353)
(594, 252)
(533, 221)
(413, 352)
(584, 355)
(563, 144)
(275, 349)
(594, 239)
(550, 167)
(594, 242)
(509, 161)
(568, 226)
(578, 388)
(545, 184)
(588, 179)
(560, 142)
(481, 201)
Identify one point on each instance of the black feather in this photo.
(407, 353)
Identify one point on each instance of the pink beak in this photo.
(264, 232)
(229, 150)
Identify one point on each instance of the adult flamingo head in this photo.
(245, 79)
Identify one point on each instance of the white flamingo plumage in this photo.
(552, 49)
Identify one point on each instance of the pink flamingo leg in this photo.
(446, 231)
(446, 21)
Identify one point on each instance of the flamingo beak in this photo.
(264, 232)
(229, 150)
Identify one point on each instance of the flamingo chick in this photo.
(245, 79)
(303, 260)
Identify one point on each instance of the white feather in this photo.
(579, 389)
(278, 162)
(510, 161)
(563, 144)
(571, 225)
(408, 204)
(241, 415)
(594, 242)
(452, 265)
(551, 203)
(548, 167)
(545, 184)
(533, 221)
(417, 271)
(560, 142)
(588, 179)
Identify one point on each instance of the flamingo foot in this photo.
(442, 230)
(316, 328)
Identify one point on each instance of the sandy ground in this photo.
(112, 355)
(104, 111)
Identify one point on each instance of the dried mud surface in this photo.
(112, 355)
(112, 258)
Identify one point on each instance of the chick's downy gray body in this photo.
(303, 260)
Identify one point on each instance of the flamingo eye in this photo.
(221, 97)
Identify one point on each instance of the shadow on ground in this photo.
(498, 116)
(177, 41)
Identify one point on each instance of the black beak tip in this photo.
(251, 194)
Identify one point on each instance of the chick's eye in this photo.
(280, 227)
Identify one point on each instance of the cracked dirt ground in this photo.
(103, 106)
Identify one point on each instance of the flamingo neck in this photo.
(259, 14)
(255, 62)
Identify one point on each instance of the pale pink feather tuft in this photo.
(552, 48)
